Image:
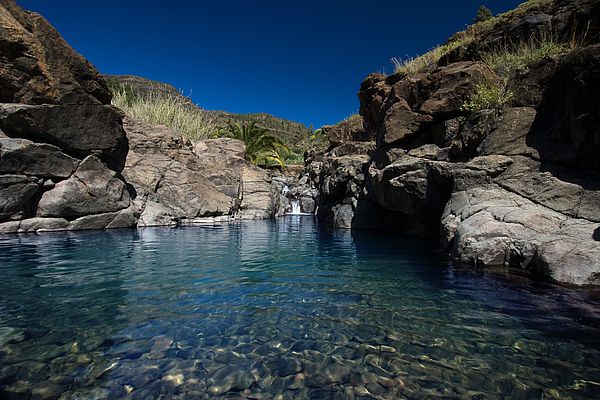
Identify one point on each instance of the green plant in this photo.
(262, 148)
(295, 156)
(486, 96)
(483, 14)
(159, 109)
(125, 94)
(516, 58)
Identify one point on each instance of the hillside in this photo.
(293, 134)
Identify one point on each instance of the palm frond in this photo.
(262, 148)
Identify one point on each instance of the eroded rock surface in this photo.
(177, 181)
(490, 226)
(516, 186)
(62, 145)
(38, 67)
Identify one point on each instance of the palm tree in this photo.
(262, 148)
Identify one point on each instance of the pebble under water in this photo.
(279, 310)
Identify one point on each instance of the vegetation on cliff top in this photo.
(290, 132)
(160, 103)
(159, 109)
(414, 65)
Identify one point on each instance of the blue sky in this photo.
(301, 60)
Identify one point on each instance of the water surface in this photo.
(281, 309)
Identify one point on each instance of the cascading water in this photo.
(295, 207)
(285, 190)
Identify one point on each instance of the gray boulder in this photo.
(155, 214)
(490, 226)
(93, 189)
(34, 225)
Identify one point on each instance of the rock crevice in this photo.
(517, 186)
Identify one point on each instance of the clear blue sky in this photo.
(302, 59)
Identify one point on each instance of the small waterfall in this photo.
(295, 207)
(285, 190)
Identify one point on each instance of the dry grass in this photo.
(413, 66)
(159, 109)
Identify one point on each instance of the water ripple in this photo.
(266, 309)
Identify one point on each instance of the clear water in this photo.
(280, 310)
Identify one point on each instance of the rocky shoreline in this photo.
(517, 187)
(70, 161)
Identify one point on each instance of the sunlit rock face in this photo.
(176, 181)
(65, 159)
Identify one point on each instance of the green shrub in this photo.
(483, 14)
(262, 148)
(159, 109)
(295, 156)
(511, 59)
(487, 96)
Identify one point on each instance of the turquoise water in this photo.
(282, 310)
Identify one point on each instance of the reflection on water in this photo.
(260, 309)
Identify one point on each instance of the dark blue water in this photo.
(283, 310)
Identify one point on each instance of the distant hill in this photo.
(294, 134)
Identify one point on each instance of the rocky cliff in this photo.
(513, 184)
(67, 160)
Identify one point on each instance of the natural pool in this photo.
(261, 309)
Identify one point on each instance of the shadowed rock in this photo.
(79, 130)
(17, 196)
(567, 124)
(22, 156)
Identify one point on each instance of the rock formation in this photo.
(516, 187)
(176, 181)
(62, 145)
(67, 161)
